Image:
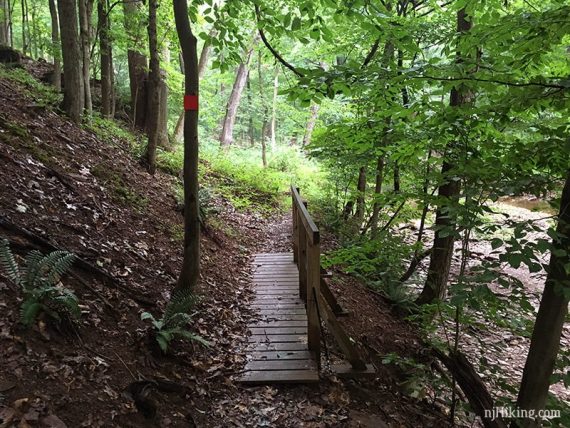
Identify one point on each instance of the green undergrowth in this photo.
(237, 174)
(44, 95)
(113, 133)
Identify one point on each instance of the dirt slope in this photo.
(62, 187)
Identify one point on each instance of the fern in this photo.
(8, 262)
(39, 283)
(181, 301)
(175, 319)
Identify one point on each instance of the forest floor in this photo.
(62, 187)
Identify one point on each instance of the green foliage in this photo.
(380, 262)
(174, 322)
(40, 283)
(113, 133)
(43, 95)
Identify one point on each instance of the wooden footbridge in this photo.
(293, 301)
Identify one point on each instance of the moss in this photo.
(44, 95)
(176, 232)
(112, 133)
(120, 191)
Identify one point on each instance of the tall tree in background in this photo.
(73, 101)
(545, 341)
(153, 88)
(106, 54)
(265, 113)
(273, 123)
(442, 250)
(191, 264)
(5, 38)
(311, 124)
(137, 62)
(85, 13)
(56, 48)
(226, 137)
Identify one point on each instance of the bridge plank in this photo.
(282, 376)
(277, 348)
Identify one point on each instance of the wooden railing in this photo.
(307, 256)
(314, 289)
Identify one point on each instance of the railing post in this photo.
(295, 230)
(313, 290)
(302, 261)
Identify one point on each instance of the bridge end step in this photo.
(261, 377)
(345, 371)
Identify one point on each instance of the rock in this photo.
(52, 421)
(9, 55)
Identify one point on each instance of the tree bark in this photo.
(24, 7)
(154, 88)
(250, 130)
(105, 51)
(202, 63)
(377, 192)
(5, 23)
(265, 114)
(273, 128)
(85, 12)
(440, 260)
(73, 78)
(137, 64)
(311, 124)
(360, 194)
(56, 48)
(191, 264)
(226, 137)
(545, 341)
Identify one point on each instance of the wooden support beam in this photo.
(343, 340)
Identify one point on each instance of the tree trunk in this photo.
(191, 264)
(396, 177)
(24, 8)
(311, 124)
(162, 124)
(552, 312)
(85, 12)
(360, 194)
(5, 23)
(265, 114)
(73, 78)
(377, 192)
(154, 88)
(250, 130)
(56, 48)
(105, 51)
(272, 129)
(440, 260)
(202, 63)
(226, 137)
(137, 63)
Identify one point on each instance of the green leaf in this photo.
(496, 243)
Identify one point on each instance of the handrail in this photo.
(313, 288)
(310, 226)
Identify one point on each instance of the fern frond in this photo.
(8, 262)
(43, 267)
(182, 301)
(60, 267)
(29, 311)
(69, 301)
(179, 319)
(185, 334)
(33, 260)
